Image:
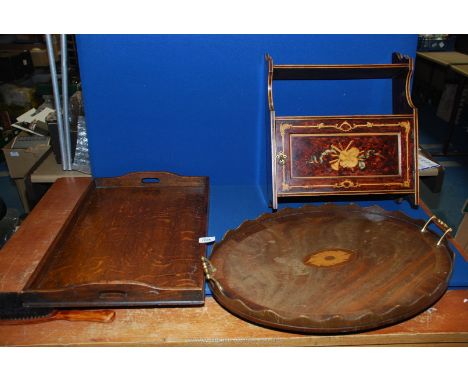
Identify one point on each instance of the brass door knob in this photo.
(281, 158)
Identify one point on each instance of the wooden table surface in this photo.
(460, 69)
(445, 58)
(446, 323)
(49, 171)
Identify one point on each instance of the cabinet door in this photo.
(345, 155)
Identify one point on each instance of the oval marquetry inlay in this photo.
(328, 257)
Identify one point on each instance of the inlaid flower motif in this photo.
(349, 157)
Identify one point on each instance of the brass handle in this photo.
(209, 271)
(439, 223)
(281, 158)
(442, 237)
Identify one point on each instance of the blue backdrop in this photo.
(195, 105)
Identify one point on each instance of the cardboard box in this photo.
(21, 160)
(462, 232)
(39, 57)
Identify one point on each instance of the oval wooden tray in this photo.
(329, 269)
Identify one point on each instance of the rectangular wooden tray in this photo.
(133, 241)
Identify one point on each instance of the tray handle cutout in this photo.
(113, 295)
(150, 180)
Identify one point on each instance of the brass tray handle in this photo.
(209, 271)
(439, 223)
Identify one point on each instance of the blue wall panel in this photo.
(195, 105)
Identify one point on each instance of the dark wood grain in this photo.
(401, 102)
(129, 243)
(329, 269)
(345, 155)
(339, 72)
(211, 325)
(161, 179)
(285, 160)
(23, 252)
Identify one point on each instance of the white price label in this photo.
(207, 239)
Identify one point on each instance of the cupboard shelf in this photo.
(345, 155)
(339, 72)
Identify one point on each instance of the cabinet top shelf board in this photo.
(339, 72)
